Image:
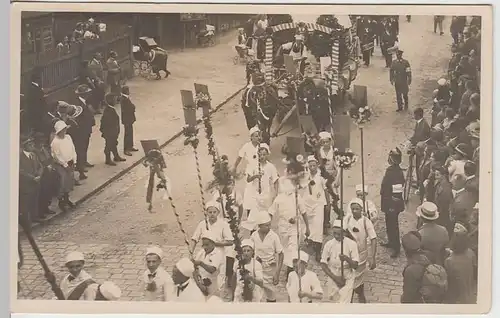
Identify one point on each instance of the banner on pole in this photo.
(152, 144)
(189, 107)
(360, 96)
(201, 91)
(342, 132)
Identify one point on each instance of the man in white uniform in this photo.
(361, 228)
(285, 210)
(249, 151)
(269, 252)
(309, 287)
(186, 288)
(209, 262)
(158, 284)
(75, 285)
(340, 287)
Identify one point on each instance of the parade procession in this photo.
(345, 168)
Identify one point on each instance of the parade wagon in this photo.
(313, 87)
(149, 58)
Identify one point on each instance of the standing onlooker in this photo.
(456, 28)
(110, 129)
(434, 237)
(64, 154)
(471, 179)
(414, 270)
(128, 120)
(96, 71)
(81, 135)
(463, 201)
(114, 74)
(391, 197)
(49, 182)
(438, 23)
(443, 196)
(30, 171)
(35, 101)
(460, 267)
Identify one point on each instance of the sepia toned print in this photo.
(267, 157)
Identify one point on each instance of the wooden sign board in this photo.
(189, 108)
(360, 96)
(295, 145)
(148, 145)
(342, 132)
(202, 88)
(307, 125)
(289, 64)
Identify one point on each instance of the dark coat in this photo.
(472, 185)
(412, 279)
(462, 207)
(28, 170)
(390, 201)
(110, 123)
(128, 111)
(443, 198)
(421, 132)
(36, 105)
(86, 119)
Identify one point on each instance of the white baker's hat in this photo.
(185, 266)
(209, 235)
(263, 218)
(442, 82)
(248, 242)
(59, 126)
(110, 291)
(311, 158)
(325, 135)
(266, 146)
(253, 130)
(359, 188)
(212, 204)
(337, 223)
(304, 257)
(75, 256)
(154, 250)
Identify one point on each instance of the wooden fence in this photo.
(61, 68)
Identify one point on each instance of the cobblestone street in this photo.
(113, 228)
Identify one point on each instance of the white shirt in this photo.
(330, 164)
(331, 252)
(164, 285)
(67, 286)
(249, 153)
(63, 150)
(255, 269)
(314, 195)
(220, 229)
(284, 209)
(267, 249)
(215, 259)
(366, 233)
(309, 283)
(268, 179)
(191, 293)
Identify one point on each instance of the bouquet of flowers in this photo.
(201, 98)
(345, 159)
(361, 114)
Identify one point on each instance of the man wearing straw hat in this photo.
(64, 154)
(269, 252)
(158, 284)
(309, 287)
(434, 236)
(340, 267)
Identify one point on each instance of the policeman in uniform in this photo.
(400, 77)
(367, 45)
(391, 200)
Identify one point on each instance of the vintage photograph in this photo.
(267, 157)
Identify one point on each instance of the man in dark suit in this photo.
(30, 172)
(128, 120)
(110, 130)
(387, 41)
(471, 179)
(422, 132)
(392, 204)
(443, 196)
(35, 101)
(49, 183)
(400, 77)
(81, 135)
(461, 208)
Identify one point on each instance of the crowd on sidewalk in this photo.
(55, 137)
(89, 29)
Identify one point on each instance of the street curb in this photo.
(135, 164)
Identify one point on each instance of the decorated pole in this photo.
(49, 276)
(297, 221)
(342, 219)
(190, 131)
(363, 172)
